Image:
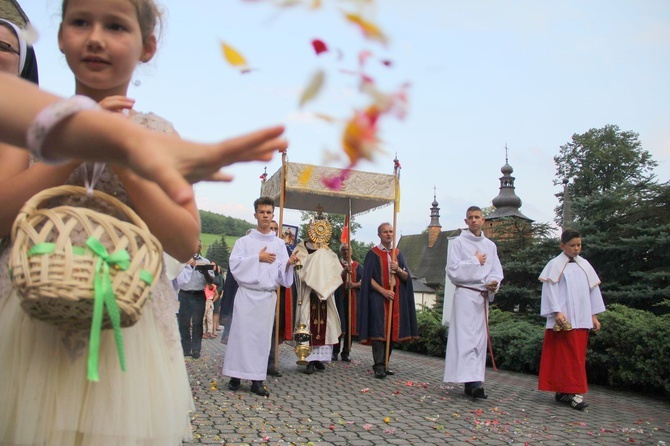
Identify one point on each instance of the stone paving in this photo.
(346, 405)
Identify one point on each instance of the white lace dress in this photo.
(45, 398)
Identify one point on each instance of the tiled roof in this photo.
(424, 262)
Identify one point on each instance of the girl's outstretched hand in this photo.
(172, 163)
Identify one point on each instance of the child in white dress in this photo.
(46, 397)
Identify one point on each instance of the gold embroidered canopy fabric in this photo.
(305, 190)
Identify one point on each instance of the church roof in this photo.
(424, 262)
(507, 211)
(507, 203)
(420, 286)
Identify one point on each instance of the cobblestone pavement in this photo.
(346, 405)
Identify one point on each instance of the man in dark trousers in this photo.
(386, 279)
(191, 283)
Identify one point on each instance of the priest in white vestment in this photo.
(316, 283)
(260, 264)
(474, 268)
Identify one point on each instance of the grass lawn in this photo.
(208, 239)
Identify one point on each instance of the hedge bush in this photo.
(433, 335)
(516, 341)
(631, 351)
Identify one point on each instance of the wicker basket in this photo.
(57, 286)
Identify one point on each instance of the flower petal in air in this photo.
(30, 34)
(325, 117)
(232, 56)
(313, 87)
(319, 46)
(369, 29)
(360, 135)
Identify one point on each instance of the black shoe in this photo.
(478, 392)
(390, 372)
(234, 384)
(576, 401)
(345, 358)
(187, 354)
(310, 368)
(333, 358)
(319, 365)
(380, 374)
(258, 388)
(195, 355)
(274, 372)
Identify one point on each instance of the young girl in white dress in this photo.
(46, 397)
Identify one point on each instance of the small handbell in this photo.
(565, 326)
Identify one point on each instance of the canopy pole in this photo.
(394, 281)
(281, 231)
(349, 274)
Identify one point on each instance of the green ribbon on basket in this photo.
(103, 296)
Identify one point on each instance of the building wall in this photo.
(427, 299)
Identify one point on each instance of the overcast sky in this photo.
(484, 74)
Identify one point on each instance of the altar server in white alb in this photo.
(260, 263)
(571, 301)
(473, 266)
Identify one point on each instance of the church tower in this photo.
(434, 228)
(507, 221)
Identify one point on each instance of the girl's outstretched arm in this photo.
(102, 136)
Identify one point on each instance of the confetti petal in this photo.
(325, 117)
(319, 46)
(233, 57)
(313, 87)
(30, 34)
(369, 29)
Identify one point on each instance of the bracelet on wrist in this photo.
(48, 118)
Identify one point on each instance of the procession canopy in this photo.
(305, 189)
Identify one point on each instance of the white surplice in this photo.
(250, 336)
(466, 346)
(573, 290)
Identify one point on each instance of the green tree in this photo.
(601, 160)
(359, 250)
(622, 213)
(212, 223)
(219, 252)
(523, 256)
(627, 239)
